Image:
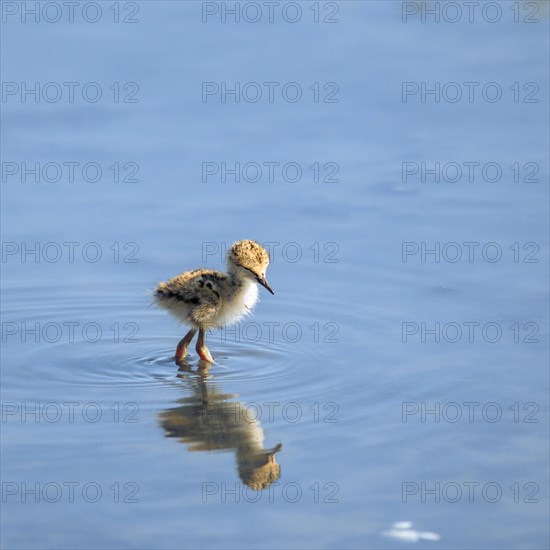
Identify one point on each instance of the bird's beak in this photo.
(265, 284)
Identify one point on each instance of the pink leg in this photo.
(201, 348)
(181, 350)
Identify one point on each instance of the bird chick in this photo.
(204, 298)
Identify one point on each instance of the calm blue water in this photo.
(400, 372)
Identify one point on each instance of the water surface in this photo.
(322, 397)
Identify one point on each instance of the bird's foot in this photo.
(204, 354)
(181, 352)
(183, 345)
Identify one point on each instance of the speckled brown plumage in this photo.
(199, 289)
(250, 255)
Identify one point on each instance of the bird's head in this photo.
(249, 259)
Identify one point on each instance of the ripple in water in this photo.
(113, 338)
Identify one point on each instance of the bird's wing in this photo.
(198, 291)
(206, 297)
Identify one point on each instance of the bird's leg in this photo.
(201, 348)
(181, 350)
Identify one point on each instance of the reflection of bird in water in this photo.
(204, 298)
(210, 421)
